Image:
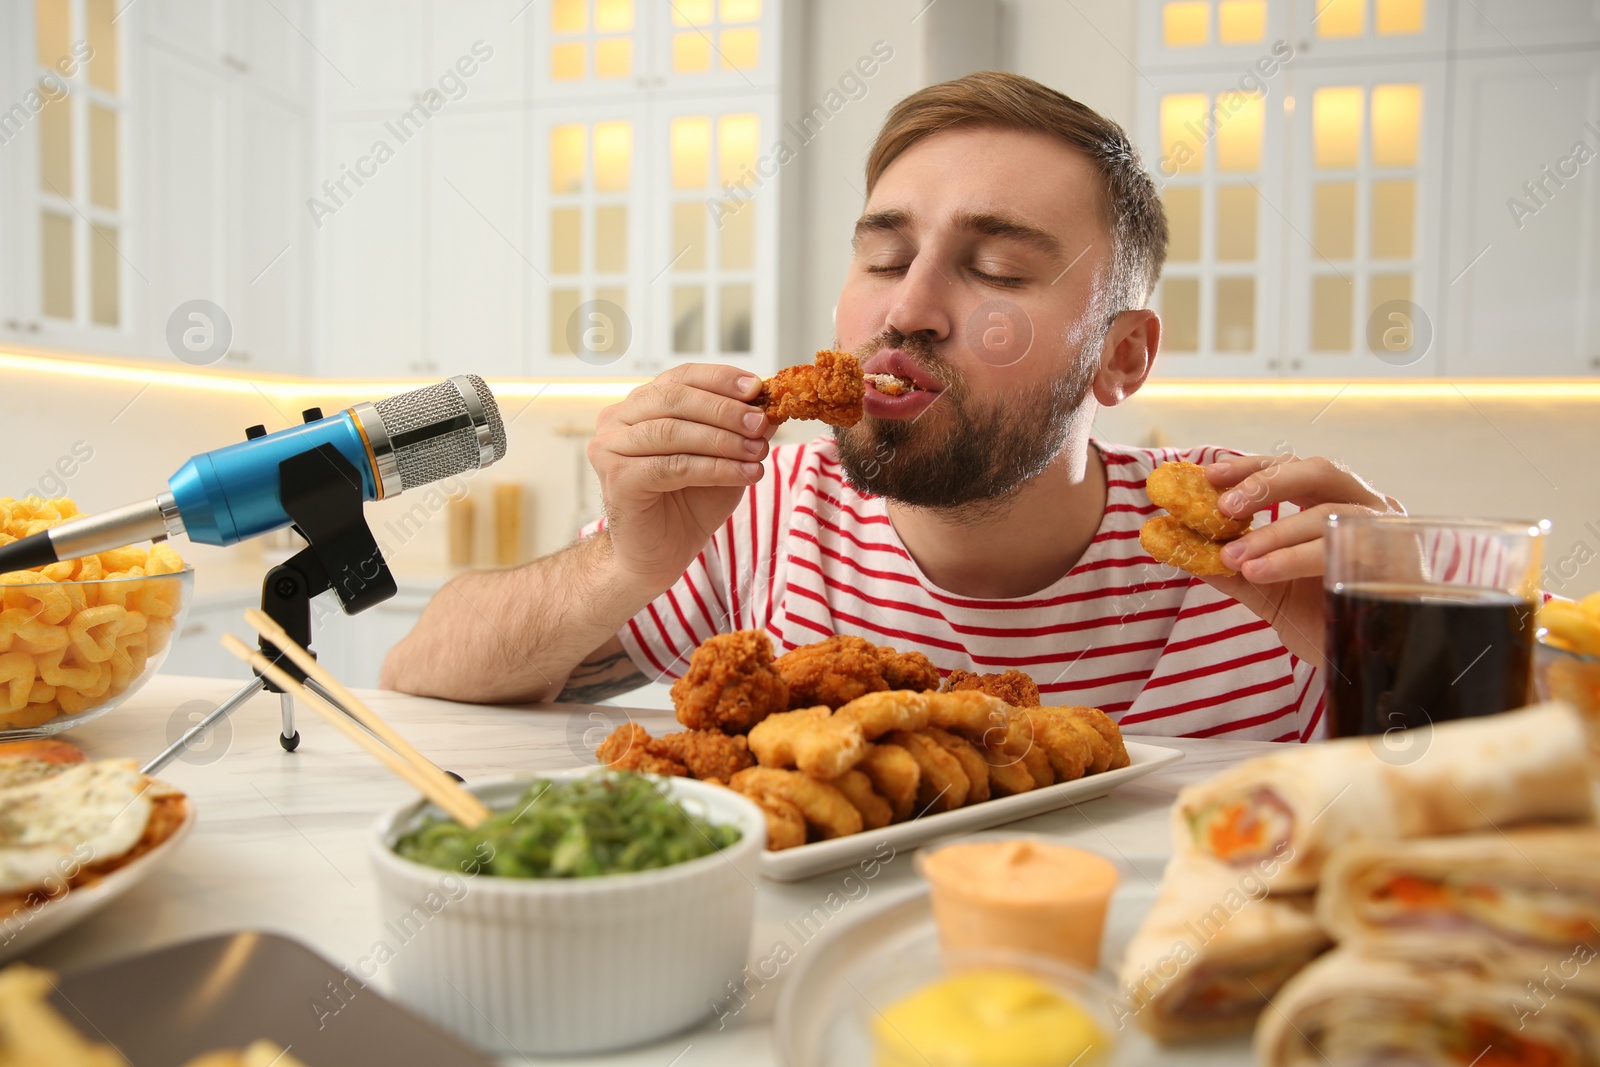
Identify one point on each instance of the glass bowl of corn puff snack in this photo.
(79, 637)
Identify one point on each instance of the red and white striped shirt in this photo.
(805, 556)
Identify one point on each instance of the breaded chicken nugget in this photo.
(826, 811)
(1109, 733)
(631, 748)
(907, 670)
(832, 672)
(813, 739)
(731, 684)
(1059, 736)
(895, 777)
(976, 716)
(707, 753)
(786, 827)
(1012, 686)
(876, 812)
(1019, 745)
(1188, 496)
(943, 784)
(1008, 774)
(1171, 542)
(972, 762)
(893, 709)
(831, 390)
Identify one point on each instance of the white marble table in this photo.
(280, 842)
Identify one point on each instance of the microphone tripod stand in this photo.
(321, 492)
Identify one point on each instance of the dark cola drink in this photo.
(1404, 656)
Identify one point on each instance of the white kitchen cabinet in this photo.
(377, 52)
(269, 242)
(1504, 25)
(370, 253)
(1523, 285)
(187, 113)
(478, 263)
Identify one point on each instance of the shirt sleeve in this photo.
(660, 638)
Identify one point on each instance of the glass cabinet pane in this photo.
(103, 157)
(734, 334)
(563, 305)
(105, 65)
(1183, 223)
(611, 238)
(52, 33)
(1341, 18)
(1183, 123)
(1393, 219)
(55, 268)
(1185, 23)
(1180, 314)
(1241, 21)
(1236, 315)
(691, 152)
(1399, 18)
(1236, 223)
(1331, 311)
(689, 235)
(1396, 125)
(1333, 228)
(1239, 132)
(55, 142)
(688, 319)
(1336, 126)
(737, 237)
(568, 149)
(566, 240)
(103, 275)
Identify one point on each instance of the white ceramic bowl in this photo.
(537, 966)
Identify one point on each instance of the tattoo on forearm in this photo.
(602, 678)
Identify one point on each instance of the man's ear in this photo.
(1127, 356)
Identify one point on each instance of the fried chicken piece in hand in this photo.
(1012, 686)
(707, 753)
(831, 390)
(731, 684)
(832, 672)
(631, 748)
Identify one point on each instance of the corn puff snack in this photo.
(66, 646)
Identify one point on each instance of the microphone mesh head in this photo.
(432, 442)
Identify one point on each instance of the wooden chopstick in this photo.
(268, 628)
(448, 800)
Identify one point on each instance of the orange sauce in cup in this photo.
(1023, 894)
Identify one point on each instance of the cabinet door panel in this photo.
(186, 163)
(477, 250)
(191, 26)
(271, 248)
(1525, 203)
(457, 28)
(267, 43)
(370, 250)
(378, 52)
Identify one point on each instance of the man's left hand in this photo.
(1280, 564)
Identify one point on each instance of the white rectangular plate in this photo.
(792, 864)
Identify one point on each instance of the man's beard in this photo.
(969, 453)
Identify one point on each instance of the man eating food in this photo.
(997, 297)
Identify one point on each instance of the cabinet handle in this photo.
(236, 63)
(193, 629)
(13, 324)
(1272, 364)
(33, 327)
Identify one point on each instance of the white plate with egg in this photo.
(36, 921)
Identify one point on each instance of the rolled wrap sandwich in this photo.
(1526, 902)
(1348, 1008)
(1211, 951)
(1474, 774)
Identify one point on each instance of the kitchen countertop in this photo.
(280, 841)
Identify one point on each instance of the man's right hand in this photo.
(674, 457)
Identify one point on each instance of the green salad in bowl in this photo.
(600, 824)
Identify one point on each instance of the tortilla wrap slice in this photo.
(1519, 901)
(1350, 1008)
(1474, 774)
(1211, 951)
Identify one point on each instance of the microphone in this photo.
(224, 496)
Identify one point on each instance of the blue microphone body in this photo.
(232, 493)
